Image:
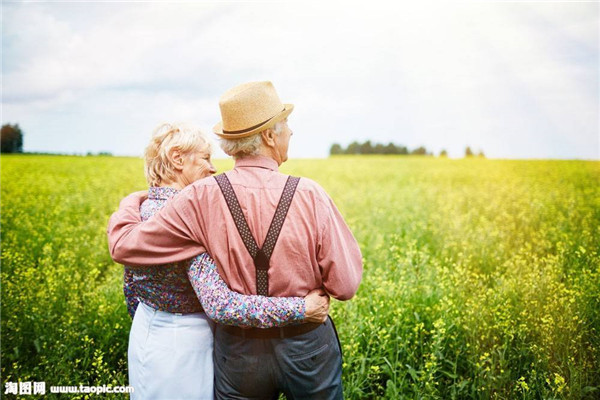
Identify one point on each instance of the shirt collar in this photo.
(161, 193)
(257, 161)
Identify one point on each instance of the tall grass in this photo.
(481, 276)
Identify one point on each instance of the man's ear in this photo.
(268, 136)
(176, 159)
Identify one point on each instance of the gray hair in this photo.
(248, 146)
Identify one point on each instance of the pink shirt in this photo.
(315, 247)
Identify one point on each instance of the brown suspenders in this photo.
(260, 256)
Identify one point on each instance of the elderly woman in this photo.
(171, 339)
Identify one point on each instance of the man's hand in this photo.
(317, 306)
(141, 195)
(133, 200)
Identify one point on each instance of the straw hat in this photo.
(249, 108)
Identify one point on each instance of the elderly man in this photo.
(304, 244)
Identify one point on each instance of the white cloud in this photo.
(439, 75)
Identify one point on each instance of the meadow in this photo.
(481, 277)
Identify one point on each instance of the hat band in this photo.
(252, 127)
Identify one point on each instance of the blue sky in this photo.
(515, 79)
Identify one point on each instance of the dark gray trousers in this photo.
(307, 366)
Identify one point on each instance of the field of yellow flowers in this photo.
(481, 280)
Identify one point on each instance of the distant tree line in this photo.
(12, 139)
(377, 148)
(470, 153)
(391, 148)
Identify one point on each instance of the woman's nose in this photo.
(212, 168)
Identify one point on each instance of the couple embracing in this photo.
(254, 250)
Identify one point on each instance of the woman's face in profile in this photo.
(197, 166)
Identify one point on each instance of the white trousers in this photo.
(170, 355)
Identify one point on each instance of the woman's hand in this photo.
(317, 306)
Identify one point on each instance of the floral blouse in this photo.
(177, 287)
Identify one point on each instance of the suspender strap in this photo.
(260, 256)
(237, 214)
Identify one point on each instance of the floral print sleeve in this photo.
(227, 307)
(128, 290)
